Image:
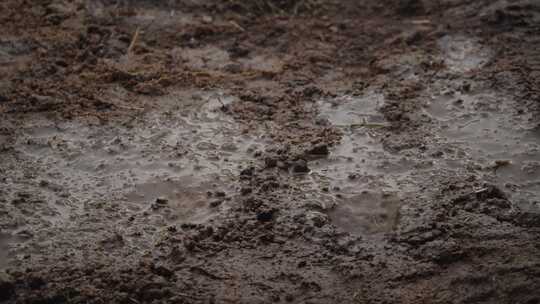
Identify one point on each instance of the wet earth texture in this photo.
(270, 151)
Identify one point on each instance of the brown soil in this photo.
(268, 151)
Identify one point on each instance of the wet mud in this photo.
(269, 152)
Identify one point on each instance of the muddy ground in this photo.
(270, 151)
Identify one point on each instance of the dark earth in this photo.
(270, 151)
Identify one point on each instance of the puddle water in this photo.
(489, 128)
(463, 54)
(487, 125)
(359, 169)
(362, 185)
(189, 139)
(351, 111)
(178, 201)
(367, 213)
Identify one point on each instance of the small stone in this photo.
(220, 194)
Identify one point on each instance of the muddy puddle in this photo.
(478, 131)
(179, 201)
(485, 124)
(358, 183)
(201, 143)
(488, 128)
(175, 167)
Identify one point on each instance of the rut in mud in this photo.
(270, 152)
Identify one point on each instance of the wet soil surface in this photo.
(270, 151)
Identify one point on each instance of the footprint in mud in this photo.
(357, 163)
(488, 127)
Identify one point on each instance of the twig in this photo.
(133, 41)
(236, 25)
